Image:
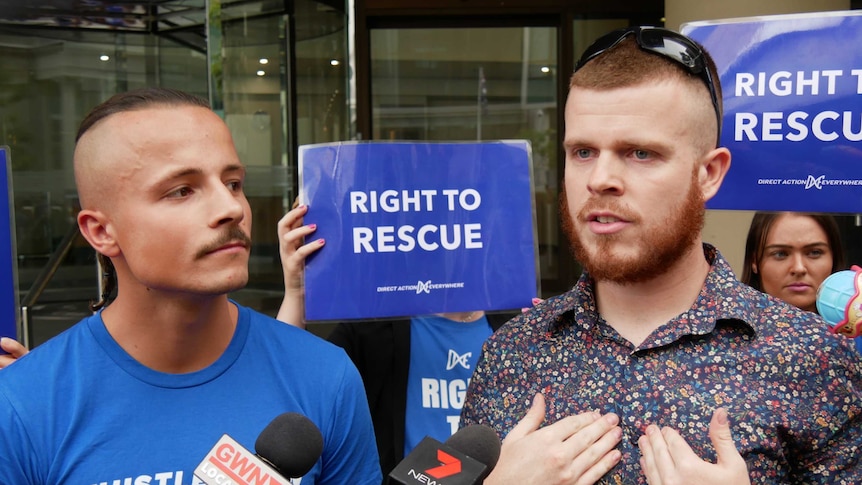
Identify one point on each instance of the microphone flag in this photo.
(229, 463)
(433, 462)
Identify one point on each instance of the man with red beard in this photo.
(660, 367)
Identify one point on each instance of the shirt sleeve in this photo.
(17, 455)
(350, 450)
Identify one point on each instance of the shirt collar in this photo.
(720, 298)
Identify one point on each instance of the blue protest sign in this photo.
(418, 228)
(792, 110)
(8, 264)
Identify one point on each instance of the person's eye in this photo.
(234, 185)
(816, 253)
(778, 254)
(582, 153)
(180, 192)
(641, 154)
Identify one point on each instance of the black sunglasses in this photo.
(663, 42)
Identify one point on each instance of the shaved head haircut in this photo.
(626, 65)
(92, 170)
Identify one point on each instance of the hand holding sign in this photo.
(293, 250)
(14, 350)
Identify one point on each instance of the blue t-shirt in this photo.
(79, 410)
(443, 354)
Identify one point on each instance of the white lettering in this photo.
(392, 201)
(428, 237)
(430, 393)
(389, 201)
(453, 423)
(817, 126)
(744, 81)
(776, 126)
(443, 394)
(771, 130)
(470, 206)
(362, 237)
(786, 83)
(858, 74)
(357, 202)
(745, 124)
(794, 121)
(423, 242)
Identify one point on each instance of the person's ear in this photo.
(754, 268)
(713, 167)
(98, 231)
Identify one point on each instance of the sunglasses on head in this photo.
(663, 42)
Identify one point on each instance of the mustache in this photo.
(232, 235)
(609, 205)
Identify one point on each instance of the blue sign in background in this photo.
(792, 110)
(8, 264)
(343, 284)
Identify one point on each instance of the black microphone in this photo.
(289, 446)
(839, 301)
(291, 443)
(466, 458)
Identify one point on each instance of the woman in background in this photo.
(789, 254)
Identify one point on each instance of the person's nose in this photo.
(797, 265)
(227, 206)
(606, 176)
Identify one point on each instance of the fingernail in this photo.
(612, 418)
(312, 226)
(722, 416)
(321, 241)
(536, 301)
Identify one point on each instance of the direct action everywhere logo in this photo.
(456, 359)
(420, 287)
(812, 182)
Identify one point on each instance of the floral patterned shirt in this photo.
(792, 389)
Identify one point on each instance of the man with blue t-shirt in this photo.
(141, 391)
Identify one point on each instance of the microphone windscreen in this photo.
(291, 443)
(479, 442)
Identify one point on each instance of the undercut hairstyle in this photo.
(627, 65)
(138, 99)
(755, 242)
(134, 100)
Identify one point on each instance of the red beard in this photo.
(659, 249)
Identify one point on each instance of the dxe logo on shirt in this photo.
(455, 359)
